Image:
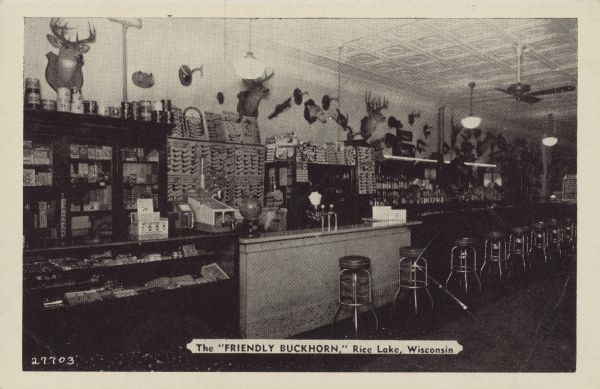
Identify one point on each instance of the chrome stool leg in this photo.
(371, 301)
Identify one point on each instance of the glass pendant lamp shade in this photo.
(471, 122)
(249, 68)
(549, 138)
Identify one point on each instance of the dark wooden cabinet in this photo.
(99, 166)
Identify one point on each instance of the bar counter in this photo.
(288, 281)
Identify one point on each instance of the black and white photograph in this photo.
(240, 193)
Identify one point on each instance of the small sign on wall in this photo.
(404, 136)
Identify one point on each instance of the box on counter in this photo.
(386, 213)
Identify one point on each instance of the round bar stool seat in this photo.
(463, 262)
(496, 252)
(553, 223)
(353, 277)
(496, 235)
(519, 230)
(465, 242)
(413, 274)
(354, 262)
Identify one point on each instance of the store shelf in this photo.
(101, 123)
(142, 162)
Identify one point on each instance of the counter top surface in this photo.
(316, 232)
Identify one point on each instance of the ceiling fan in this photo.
(522, 92)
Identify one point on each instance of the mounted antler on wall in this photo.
(369, 123)
(249, 99)
(64, 69)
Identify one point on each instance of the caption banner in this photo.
(290, 346)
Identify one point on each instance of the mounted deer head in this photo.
(249, 99)
(369, 123)
(64, 69)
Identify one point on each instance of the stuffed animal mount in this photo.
(369, 123)
(142, 80)
(312, 112)
(64, 69)
(249, 99)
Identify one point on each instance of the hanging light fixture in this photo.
(549, 138)
(249, 67)
(471, 122)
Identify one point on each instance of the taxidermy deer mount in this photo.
(369, 123)
(249, 99)
(64, 69)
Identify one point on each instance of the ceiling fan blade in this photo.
(503, 90)
(529, 99)
(560, 89)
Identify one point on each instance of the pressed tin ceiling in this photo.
(437, 58)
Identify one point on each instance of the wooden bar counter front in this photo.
(289, 281)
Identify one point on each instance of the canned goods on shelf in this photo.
(166, 105)
(32, 98)
(63, 99)
(104, 111)
(49, 105)
(115, 112)
(145, 110)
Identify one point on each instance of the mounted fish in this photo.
(326, 101)
(421, 145)
(413, 115)
(312, 112)
(142, 80)
(426, 131)
(342, 121)
(249, 99)
(64, 69)
(279, 108)
(369, 123)
(298, 96)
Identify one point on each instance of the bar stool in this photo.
(554, 238)
(463, 260)
(353, 277)
(413, 274)
(539, 240)
(496, 251)
(518, 246)
(569, 235)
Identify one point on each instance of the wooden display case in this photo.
(96, 167)
(84, 298)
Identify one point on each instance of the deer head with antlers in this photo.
(64, 69)
(249, 99)
(369, 123)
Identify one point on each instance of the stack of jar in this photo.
(71, 100)
(148, 111)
